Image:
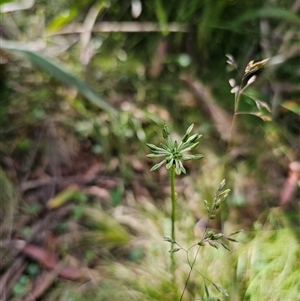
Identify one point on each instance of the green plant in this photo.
(239, 90)
(267, 265)
(173, 154)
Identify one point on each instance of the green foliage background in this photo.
(69, 99)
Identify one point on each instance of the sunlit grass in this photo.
(271, 262)
(262, 266)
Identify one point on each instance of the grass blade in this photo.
(62, 74)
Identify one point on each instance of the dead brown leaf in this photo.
(221, 119)
(290, 185)
(50, 260)
(158, 59)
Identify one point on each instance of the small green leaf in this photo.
(168, 239)
(236, 232)
(194, 138)
(164, 147)
(189, 130)
(174, 250)
(217, 236)
(213, 245)
(209, 234)
(152, 156)
(218, 288)
(206, 290)
(152, 146)
(194, 146)
(225, 246)
(201, 243)
(169, 158)
(181, 167)
(170, 143)
(231, 239)
(222, 185)
(185, 138)
(32, 269)
(158, 165)
(166, 132)
(197, 138)
(157, 150)
(198, 157)
(224, 193)
(169, 164)
(224, 293)
(177, 171)
(215, 206)
(206, 205)
(177, 167)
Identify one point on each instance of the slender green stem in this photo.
(173, 200)
(236, 107)
(191, 269)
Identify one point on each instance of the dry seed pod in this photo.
(252, 67)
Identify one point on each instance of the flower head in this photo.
(173, 152)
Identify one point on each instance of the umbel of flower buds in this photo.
(174, 152)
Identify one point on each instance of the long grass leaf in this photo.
(276, 13)
(61, 73)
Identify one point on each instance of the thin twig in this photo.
(122, 27)
(11, 276)
(63, 180)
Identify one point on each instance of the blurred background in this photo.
(85, 85)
